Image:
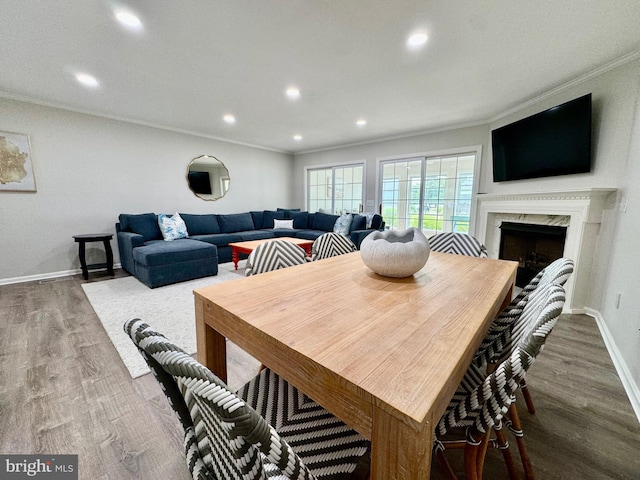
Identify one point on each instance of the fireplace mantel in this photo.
(580, 210)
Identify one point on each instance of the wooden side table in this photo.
(105, 238)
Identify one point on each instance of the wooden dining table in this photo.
(384, 355)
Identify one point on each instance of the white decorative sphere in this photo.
(395, 253)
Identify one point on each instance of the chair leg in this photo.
(516, 428)
(482, 453)
(471, 461)
(527, 396)
(474, 453)
(502, 444)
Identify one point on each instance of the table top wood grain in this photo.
(366, 347)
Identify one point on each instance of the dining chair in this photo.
(267, 429)
(506, 329)
(458, 243)
(274, 255)
(331, 244)
(483, 399)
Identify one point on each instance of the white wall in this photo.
(622, 323)
(89, 170)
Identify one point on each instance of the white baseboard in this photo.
(49, 276)
(633, 391)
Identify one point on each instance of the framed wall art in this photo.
(16, 167)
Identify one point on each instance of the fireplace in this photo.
(532, 246)
(579, 212)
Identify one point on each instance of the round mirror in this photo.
(208, 178)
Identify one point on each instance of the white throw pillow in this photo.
(288, 224)
(343, 223)
(173, 227)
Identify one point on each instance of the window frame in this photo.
(457, 151)
(333, 168)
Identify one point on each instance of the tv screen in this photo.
(199, 182)
(554, 142)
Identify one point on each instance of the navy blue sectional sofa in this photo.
(155, 262)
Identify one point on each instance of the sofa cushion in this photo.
(145, 224)
(256, 235)
(163, 253)
(359, 222)
(257, 219)
(219, 239)
(308, 234)
(269, 216)
(172, 227)
(235, 222)
(300, 219)
(201, 224)
(324, 222)
(288, 211)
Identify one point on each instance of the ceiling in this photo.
(193, 62)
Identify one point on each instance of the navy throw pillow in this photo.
(300, 219)
(324, 221)
(359, 222)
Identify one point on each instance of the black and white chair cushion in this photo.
(330, 245)
(274, 255)
(458, 243)
(507, 329)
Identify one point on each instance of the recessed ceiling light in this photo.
(230, 119)
(87, 80)
(128, 19)
(361, 122)
(297, 138)
(293, 92)
(417, 40)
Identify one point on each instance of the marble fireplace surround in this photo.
(580, 211)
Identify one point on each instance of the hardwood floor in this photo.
(64, 389)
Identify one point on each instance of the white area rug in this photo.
(169, 310)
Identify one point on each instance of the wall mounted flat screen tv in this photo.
(199, 182)
(554, 142)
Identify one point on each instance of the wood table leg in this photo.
(211, 345)
(400, 451)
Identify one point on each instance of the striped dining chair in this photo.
(483, 399)
(266, 430)
(274, 255)
(330, 245)
(506, 329)
(458, 243)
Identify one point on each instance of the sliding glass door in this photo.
(433, 193)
